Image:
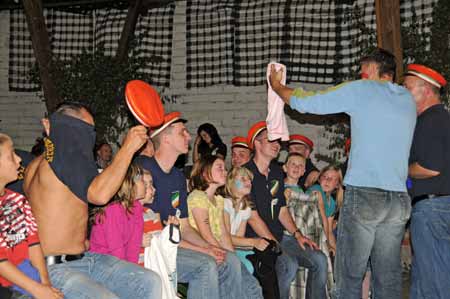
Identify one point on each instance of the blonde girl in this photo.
(329, 182)
(237, 207)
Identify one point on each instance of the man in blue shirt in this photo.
(376, 205)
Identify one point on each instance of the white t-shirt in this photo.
(236, 218)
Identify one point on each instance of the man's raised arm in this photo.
(106, 184)
(283, 91)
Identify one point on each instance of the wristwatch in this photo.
(295, 232)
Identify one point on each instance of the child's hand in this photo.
(217, 253)
(47, 292)
(331, 250)
(172, 220)
(146, 240)
(260, 244)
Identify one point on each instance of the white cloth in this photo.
(161, 257)
(236, 218)
(276, 120)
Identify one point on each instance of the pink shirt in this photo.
(120, 233)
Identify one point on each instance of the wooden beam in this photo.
(42, 50)
(128, 30)
(389, 31)
(85, 4)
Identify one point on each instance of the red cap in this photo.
(297, 138)
(169, 118)
(144, 103)
(427, 74)
(254, 131)
(239, 141)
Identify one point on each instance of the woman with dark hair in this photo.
(208, 142)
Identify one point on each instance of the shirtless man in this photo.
(59, 184)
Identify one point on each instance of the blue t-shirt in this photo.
(328, 202)
(382, 116)
(171, 190)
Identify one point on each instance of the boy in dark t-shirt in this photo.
(170, 185)
(268, 195)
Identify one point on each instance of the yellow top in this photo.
(199, 199)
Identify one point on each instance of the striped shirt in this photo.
(18, 229)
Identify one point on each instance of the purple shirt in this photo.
(120, 233)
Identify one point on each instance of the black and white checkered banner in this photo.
(320, 41)
(209, 42)
(70, 33)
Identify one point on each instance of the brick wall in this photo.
(20, 113)
(231, 109)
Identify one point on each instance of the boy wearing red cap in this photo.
(269, 201)
(429, 171)
(377, 205)
(304, 146)
(240, 152)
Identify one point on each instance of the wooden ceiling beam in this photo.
(42, 51)
(389, 31)
(86, 4)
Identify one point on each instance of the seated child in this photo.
(205, 205)
(294, 167)
(306, 214)
(159, 246)
(152, 221)
(206, 214)
(22, 265)
(118, 226)
(237, 212)
(330, 181)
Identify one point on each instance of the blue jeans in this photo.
(371, 224)
(293, 257)
(98, 276)
(207, 280)
(430, 234)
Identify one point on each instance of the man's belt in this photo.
(59, 259)
(426, 196)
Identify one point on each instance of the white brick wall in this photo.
(231, 109)
(20, 113)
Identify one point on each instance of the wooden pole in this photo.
(42, 50)
(389, 31)
(128, 30)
